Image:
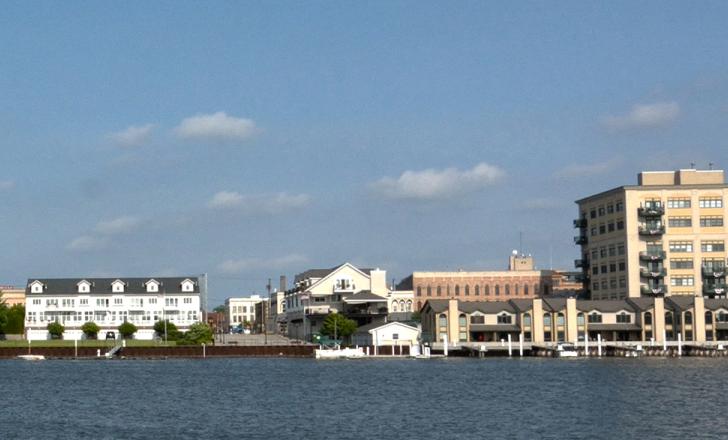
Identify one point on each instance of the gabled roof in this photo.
(405, 284)
(716, 303)
(488, 307)
(680, 302)
(605, 305)
(554, 304)
(68, 286)
(642, 304)
(323, 273)
(370, 328)
(522, 305)
(437, 305)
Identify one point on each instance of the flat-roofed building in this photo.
(663, 236)
(521, 280)
(240, 312)
(12, 295)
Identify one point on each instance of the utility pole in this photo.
(264, 312)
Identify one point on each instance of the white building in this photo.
(393, 334)
(109, 302)
(240, 310)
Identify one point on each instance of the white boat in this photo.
(31, 357)
(566, 350)
(345, 353)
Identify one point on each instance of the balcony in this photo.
(653, 255)
(713, 272)
(582, 277)
(580, 263)
(714, 289)
(651, 230)
(650, 211)
(580, 239)
(580, 223)
(656, 290)
(648, 273)
(318, 310)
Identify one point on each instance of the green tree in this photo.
(4, 312)
(127, 330)
(219, 309)
(172, 333)
(199, 333)
(90, 329)
(338, 326)
(56, 330)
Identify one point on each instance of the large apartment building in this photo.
(663, 236)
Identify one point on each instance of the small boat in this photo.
(31, 357)
(345, 353)
(566, 350)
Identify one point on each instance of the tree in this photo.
(199, 333)
(172, 332)
(90, 329)
(127, 330)
(219, 309)
(56, 330)
(338, 326)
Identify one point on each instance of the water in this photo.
(365, 399)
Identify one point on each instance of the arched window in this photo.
(477, 290)
(394, 306)
(401, 305)
(497, 290)
(462, 320)
(419, 305)
(462, 328)
(487, 290)
(467, 290)
(547, 320)
(668, 318)
(525, 289)
(439, 291)
(580, 319)
(457, 290)
(560, 319)
(648, 318)
(708, 318)
(508, 289)
(518, 289)
(443, 320)
(527, 320)
(429, 290)
(688, 318)
(409, 305)
(419, 291)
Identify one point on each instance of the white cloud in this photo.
(6, 185)
(258, 203)
(586, 170)
(119, 225)
(133, 136)
(246, 264)
(432, 184)
(88, 243)
(644, 116)
(216, 126)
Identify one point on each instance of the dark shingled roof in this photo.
(321, 273)
(437, 305)
(716, 303)
(522, 305)
(405, 284)
(642, 304)
(494, 328)
(680, 302)
(613, 327)
(486, 306)
(554, 304)
(605, 305)
(365, 295)
(67, 286)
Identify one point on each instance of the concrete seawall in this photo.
(167, 352)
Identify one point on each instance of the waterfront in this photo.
(399, 398)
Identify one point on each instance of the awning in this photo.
(621, 327)
(494, 328)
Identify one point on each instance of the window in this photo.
(504, 319)
(525, 289)
(604, 268)
(580, 319)
(622, 282)
(547, 320)
(711, 221)
(620, 249)
(595, 254)
(439, 291)
(610, 209)
(443, 322)
(68, 302)
(680, 222)
(602, 228)
(477, 319)
(681, 263)
(678, 203)
(83, 301)
(686, 280)
(477, 290)
(601, 211)
(457, 290)
(497, 290)
(508, 289)
(487, 290)
(613, 267)
(648, 318)
(620, 224)
(688, 318)
(708, 318)
(681, 246)
(710, 202)
(526, 320)
(610, 227)
(622, 266)
(419, 291)
(603, 252)
(102, 302)
(613, 283)
(467, 290)
(619, 206)
(624, 318)
(560, 320)
(712, 246)
(36, 302)
(429, 290)
(612, 251)
(593, 213)
(118, 301)
(595, 318)
(593, 231)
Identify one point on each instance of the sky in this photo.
(249, 140)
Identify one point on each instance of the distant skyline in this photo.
(250, 140)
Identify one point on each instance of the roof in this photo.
(437, 305)
(642, 304)
(605, 305)
(405, 284)
(364, 296)
(66, 286)
(321, 273)
(486, 307)
(680, 302)
(716, 303)
(522, 305)
(375, 325)
(554, 304)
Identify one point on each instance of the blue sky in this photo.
(249, 140)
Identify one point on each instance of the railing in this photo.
(652, 255)
(651, 230)
(714, 289)
(653, 290)
(580, 239)
(713, 272)
(647, 273)
(580, 223)
(650, 211)
(581, 263)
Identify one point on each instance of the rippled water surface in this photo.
(400, 399)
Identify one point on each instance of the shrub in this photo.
(127, 330)
(90, 329)
(172, 333)
(56, 330)
(199, 333)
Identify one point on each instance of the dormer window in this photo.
(118, 286)
(36, 287)
(152, 286)
(188, 285)
(84, 286)
(595, 318)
